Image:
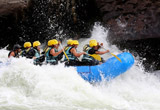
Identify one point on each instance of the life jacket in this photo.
(50, 58)
(44, 50)
(24, 52)
(87, 56)
(37, 55)
(69, 54)
(16, 54)
(32, 52)
(90, 57)
(86, 47)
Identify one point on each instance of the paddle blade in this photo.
(97, 57)
(116, 57)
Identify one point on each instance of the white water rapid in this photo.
(24, 86)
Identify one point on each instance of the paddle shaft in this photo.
(113, 55)
(64, 52)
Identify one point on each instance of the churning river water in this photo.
(24, 86)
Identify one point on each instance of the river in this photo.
(24, 86)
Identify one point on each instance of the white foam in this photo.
(24, 86)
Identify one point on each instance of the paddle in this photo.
(64, 51)
(113, 55)
(95, 56)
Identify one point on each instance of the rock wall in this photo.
(8, 7)
(29, 20)
(134, 25)
(147, 51)
(12, 13)
(131, 19)
(126, 19)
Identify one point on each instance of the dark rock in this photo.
(146, 50)
(129, 7)
(131, 19)
(12, 12)
(132, 2)
(106, 8)
(134, 25)
(111, 15)
(12, 6)
(30, 20)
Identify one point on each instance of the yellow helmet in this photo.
(75, 42)
(27, 44)
(49, 42)
(52, 42)
(36, 43)
(92, 43)
(69, 42)
(55, 42)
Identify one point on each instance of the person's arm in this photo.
(74, 52)
(52, 52)
(101, 52)
(99, 45)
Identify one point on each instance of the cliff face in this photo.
(29, 20)
(126, 19)
(131, 19)
(134, 25)
(12, 13)
(8, 7)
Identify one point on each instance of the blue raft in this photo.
(108, 70)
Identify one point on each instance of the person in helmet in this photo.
(69, 43)
(34, 53)
(72, 54)
(27, 47)
(52, 52)
(69, 46)
(93, 54)
(46, 47)
(15, 52)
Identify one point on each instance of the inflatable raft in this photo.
(108, 70)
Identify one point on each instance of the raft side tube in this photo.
(108, 70)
